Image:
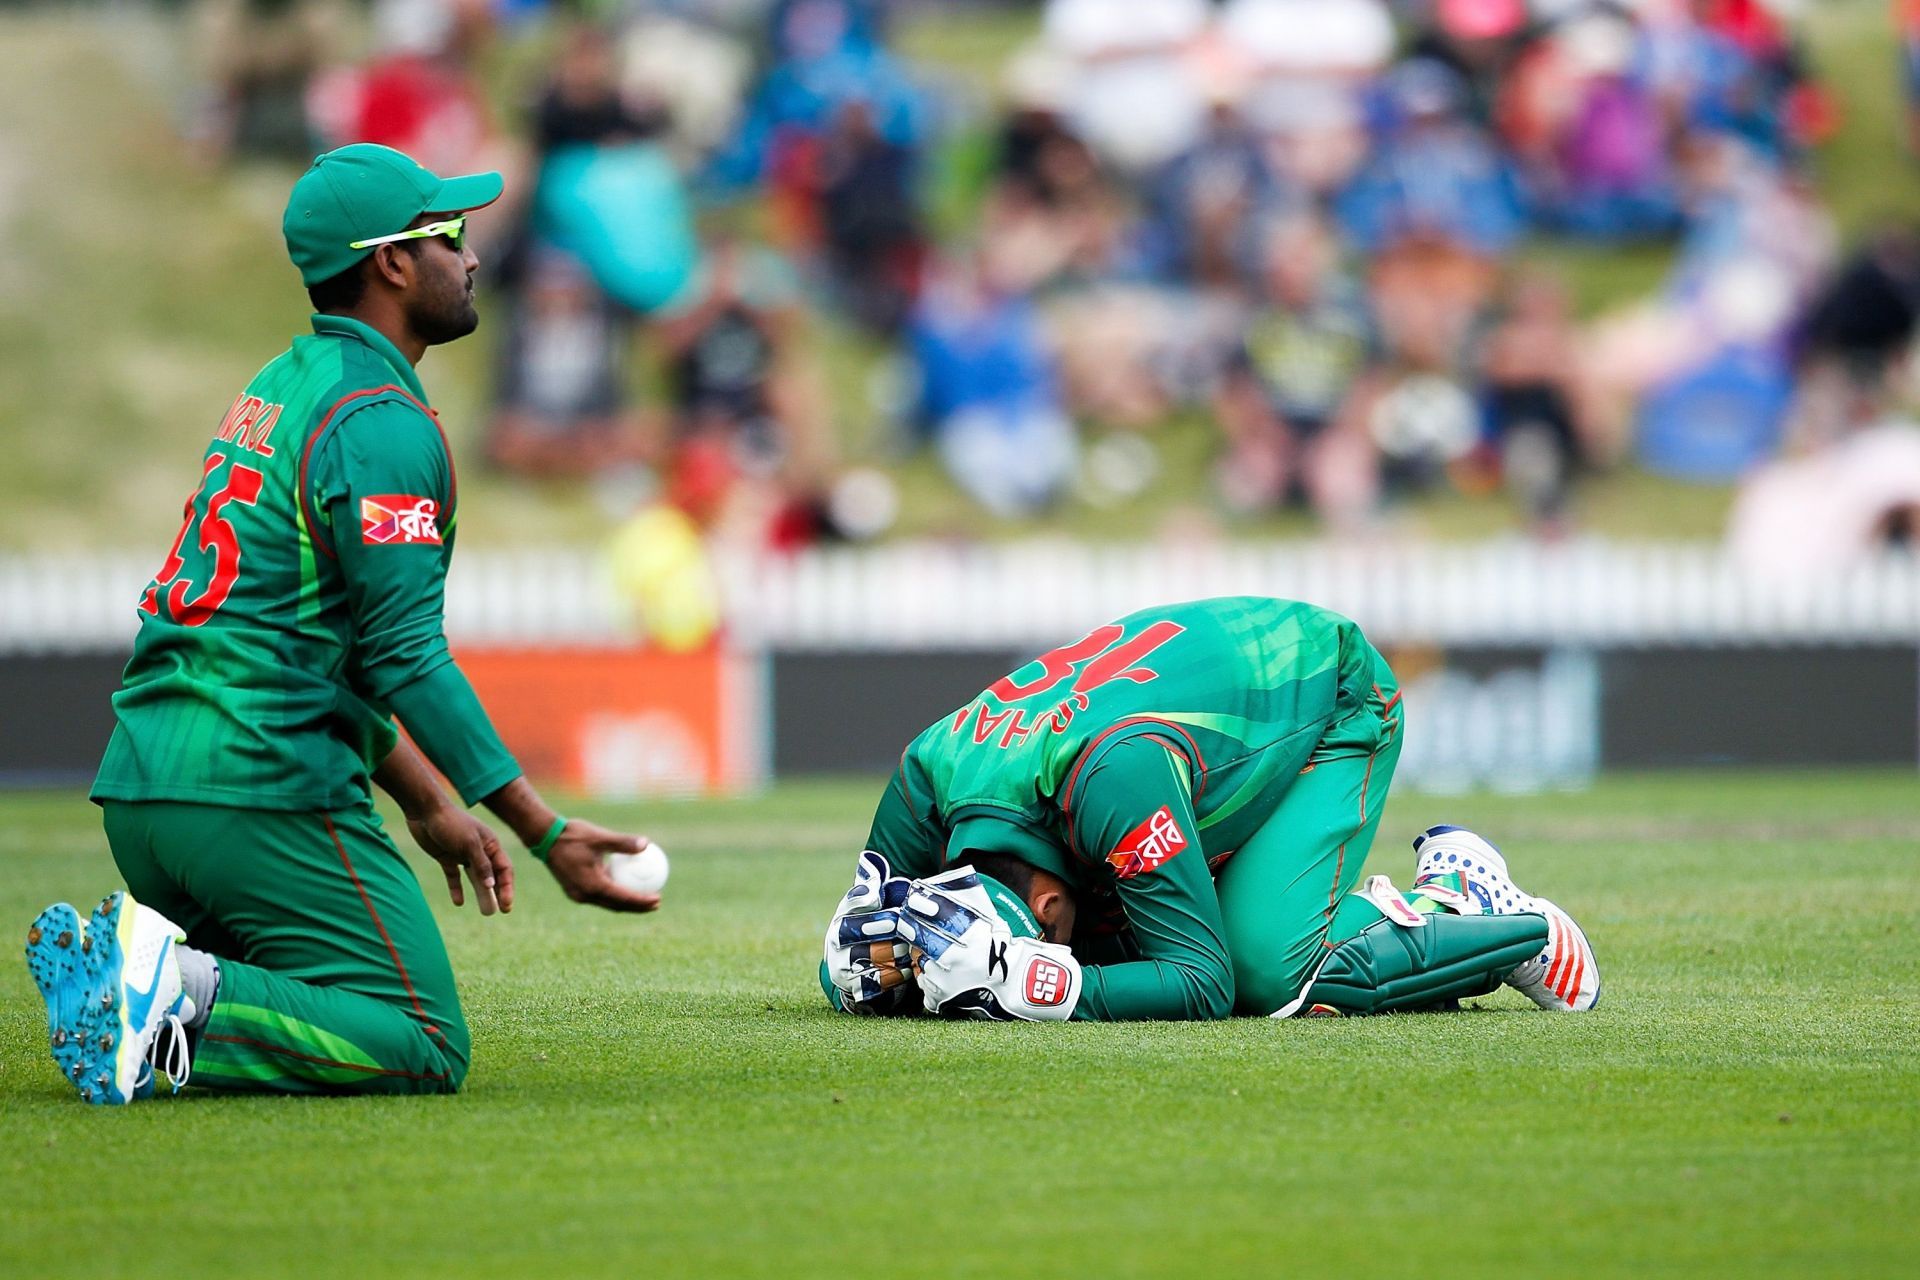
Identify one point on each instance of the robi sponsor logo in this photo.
(1148, 845)
(1046, 983)
(399, 519)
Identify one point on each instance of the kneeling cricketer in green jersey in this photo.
(298, 613)
(1168, 818)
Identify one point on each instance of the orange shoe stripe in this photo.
(1575, 973)
(1555, 939)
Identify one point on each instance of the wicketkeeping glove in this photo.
(973, 964)
(867, 962)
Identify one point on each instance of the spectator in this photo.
(1309, 62)
(1907, 22)
(1052, 213)
(802, 29)
(1127, 354)
(582, 103)
(1435, 176)
(1801, 518)
(1291, 399)
(749, 451)
(1865, 314)
(1424, 425)
(660, 566)
(1436, 208)
(735, 369)
(560, 399)
(1533, 405)
(1037, 83)
(608, 191)
(825, 54)
(261, 57)
(1315, 134)
(1202, 206)
(1591, 132)
(1733, 69)
(988, 399)
(1478, 40)
(419, 93)
(1758, 247)
(1133, 95)
(1855, 336)
(752, 513)
(869, 219)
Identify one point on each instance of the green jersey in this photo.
(1133, 763)
(300, 608)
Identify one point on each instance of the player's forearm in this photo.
(898, 835)
(1184, 973)
(446, 719)
(1143, 990)
(1133, 809)
(406, 777)
(519, 806)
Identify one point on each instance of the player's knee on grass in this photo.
(435, 1059)
(1258, 992)
(422, 1042)
(1269, 969)
(456, 1051)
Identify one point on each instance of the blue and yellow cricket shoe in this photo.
(56, 949)
(111, 984)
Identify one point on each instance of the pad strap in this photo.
(1387, 900)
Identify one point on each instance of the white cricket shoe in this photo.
(112, 985)
(1564, 977)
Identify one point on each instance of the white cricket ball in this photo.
(642, 872)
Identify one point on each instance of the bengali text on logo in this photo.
(399, 519)
(1148, 845)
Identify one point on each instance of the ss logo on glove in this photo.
(1047, 983)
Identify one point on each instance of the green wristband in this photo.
(545, 847)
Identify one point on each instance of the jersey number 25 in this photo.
(215, 535)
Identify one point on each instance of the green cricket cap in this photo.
(366, 190)
(1013, 912)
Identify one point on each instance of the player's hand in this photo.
(866, 960)
(458, 841)
(972, 965)
(577, 861)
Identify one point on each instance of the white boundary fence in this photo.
(930, 596)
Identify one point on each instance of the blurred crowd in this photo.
(1308, 228)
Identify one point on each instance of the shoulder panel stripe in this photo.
(1194, 761)
(906, 790)
(326, 420)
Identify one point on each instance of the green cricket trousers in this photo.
(1285, 895)
(333, 977)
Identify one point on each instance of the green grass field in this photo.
(669, 1096)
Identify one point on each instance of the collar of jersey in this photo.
(348, 327)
